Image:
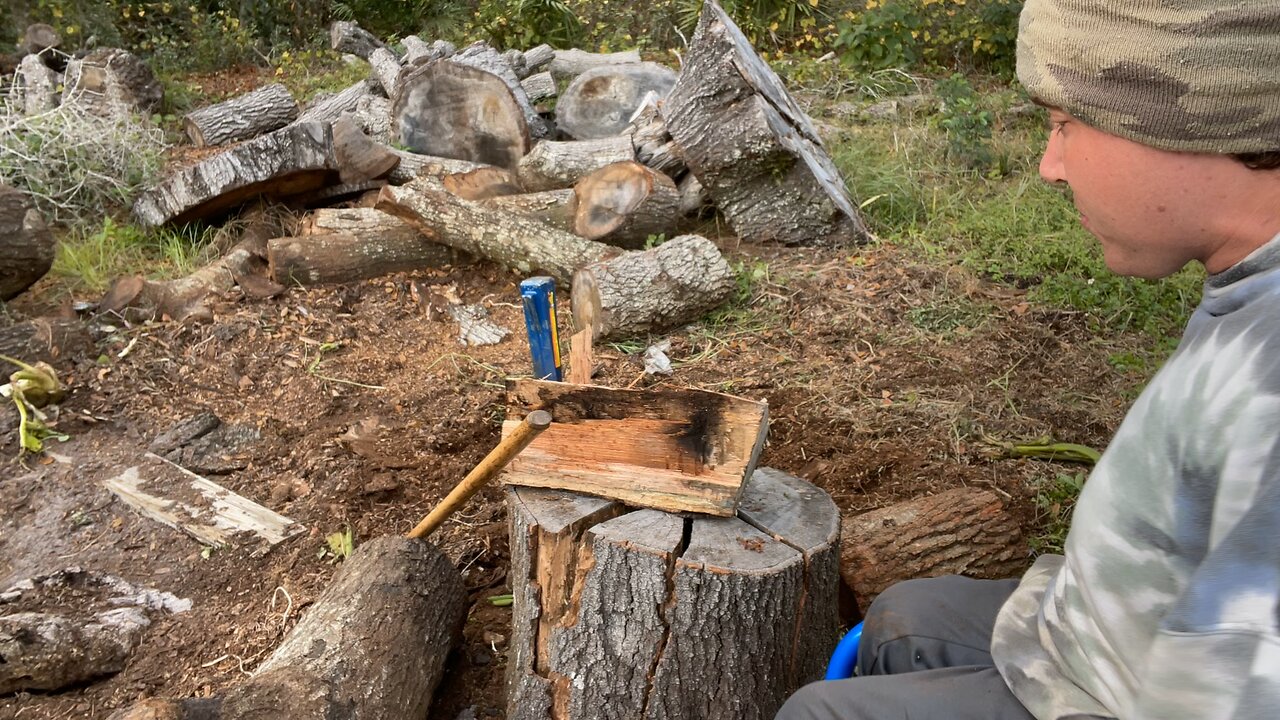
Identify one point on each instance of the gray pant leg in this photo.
(958, 693)
(931, 623)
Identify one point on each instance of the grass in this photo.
(1055, 501)
(89, 260)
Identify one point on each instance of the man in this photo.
(1166, 127)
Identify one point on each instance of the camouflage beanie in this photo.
(1189, 75)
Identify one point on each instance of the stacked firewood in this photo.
(444, 152)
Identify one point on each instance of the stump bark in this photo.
(600, 102)
(569, 64)
(641, 292)
(457, 111)
(512, 241)
(624, 204)
(751, 146)
(243, 117)
(642, 614)
(552, 165)
(26, 246)
(50, 652)
(958, 532)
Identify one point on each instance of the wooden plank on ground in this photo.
(185, 501)
(669, 449)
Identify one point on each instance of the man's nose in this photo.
(1052, 169)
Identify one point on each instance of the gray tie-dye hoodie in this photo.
(1165, 606)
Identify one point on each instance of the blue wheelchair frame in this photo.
(845, 656)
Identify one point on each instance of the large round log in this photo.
(551, 164)
(569, 64)
(240, 118)
(26, 245)
(513, 241)
(965, 531)
(481, 55)
(625, 204)
(457, 111)
(600, 102)
(642, 292)
(645, 614)
(753, 148)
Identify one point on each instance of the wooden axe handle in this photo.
(534, 423)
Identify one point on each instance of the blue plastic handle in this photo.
(539, 297)
(845, 656)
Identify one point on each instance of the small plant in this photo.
(32, 387)
(654, 241)
(502, 600)
(967, 125)
(1055, 501)
(338, 546)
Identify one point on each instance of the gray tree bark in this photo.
(752, 147)
(329, 109)
(536, 58)
(112, 80)
(38, 85)
(600, 102)
(624, 204)
(653, 144)
(552, 165)
(539, 86)
(551, 207)
(240, 118)
(50, 652)
(639, 615)
(346, 245)
(416, 51)
(572, 63)
(348, 37)
(512, 241)
(413, 164)
(27, 247)
(643, 292)
(386, 68)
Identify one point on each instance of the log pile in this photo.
(586, 193)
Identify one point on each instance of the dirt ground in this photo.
(882, 377)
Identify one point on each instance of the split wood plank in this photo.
(676, 450)
(213, 515)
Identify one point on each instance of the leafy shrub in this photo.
(942, 33)
(525, 23)
(967, 125)
(389, 19)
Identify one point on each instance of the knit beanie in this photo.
(1188, 75)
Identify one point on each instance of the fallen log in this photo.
(480, 55)
(653, 144)
(458, 111)
(723, 618)
(553, 208)
(624, 204)
(569, 64)
(416, 51)
(535, 59)
(386, 68)
(539, 87)
(243, 117)
(296, 159)
(372, 646)
(359, 159)
(329, 109)
(964, 531)
(37, 85)
(600, 102)
(27, 246)
(510, 240)
(645, 292)
(348, 37)
(45, 340)
(373, 114)
(344, 258)
(751, 146)
(413, 164)
(112, 81)
(482, 183)
(50, 652)
(559, 164)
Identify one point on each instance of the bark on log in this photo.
(653, 144)
(417, 51)
(625, 203)
(373, 112)
(600, 102)
(553, 208)
(512, 241)
(693, 197)
(293, 160)
(386, 68)
(26, 246)
(359, 158)
(345, 245)
(963, 531)
(552, 164)
(348, 37)
(240, 118)
(46, 340)
(515, 59)
(39, 37)
(38, 85)
(328, 109)
(644, 292)
(752, 147)
(536, 58)
(113, 81)
(412, 165)
(50, 652)
(569, 64)
(372, 646)
(720, 617)
(482, 183)
(479, 55)
(539, 87)
(451, 110)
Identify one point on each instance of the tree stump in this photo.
(659, 289)
(600, 102)
(26, 245)
(958, 532)
(458, 111)
(625, 204)
(623, 614)
(242, 117)
(113, 81)
(751, 146)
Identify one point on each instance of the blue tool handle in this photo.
(539, 297)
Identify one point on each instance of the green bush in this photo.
(941, 33)
(526, 23)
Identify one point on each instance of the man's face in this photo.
(1153, 210)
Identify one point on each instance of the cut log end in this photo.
(625, 204)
